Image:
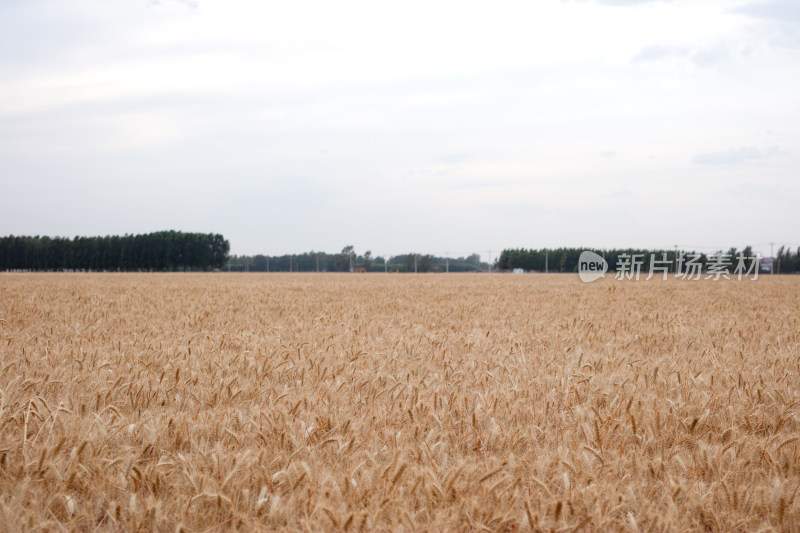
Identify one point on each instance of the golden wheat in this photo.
(390, 402)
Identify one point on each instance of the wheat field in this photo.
(209, 402)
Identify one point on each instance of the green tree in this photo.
(259, 263)
(342, 262)
(425, 263)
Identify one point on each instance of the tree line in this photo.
(348, 260)
(158, 251)
(786, 261)
(566, 259)
(180, 251)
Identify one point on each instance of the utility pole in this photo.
(771, 258)
(676, 259)
(267, 264)
(385, 264)
(317, 263)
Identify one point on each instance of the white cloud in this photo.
(628, 2)
(738, 156)
(659, 52)
(734, 156)
(316, 117)
(787, 11)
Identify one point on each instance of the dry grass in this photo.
(374, 402)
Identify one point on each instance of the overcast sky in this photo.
(436, 127)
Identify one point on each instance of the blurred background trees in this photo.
(159, 251)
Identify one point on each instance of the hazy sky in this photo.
(436, 127)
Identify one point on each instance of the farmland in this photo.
(398, 402)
